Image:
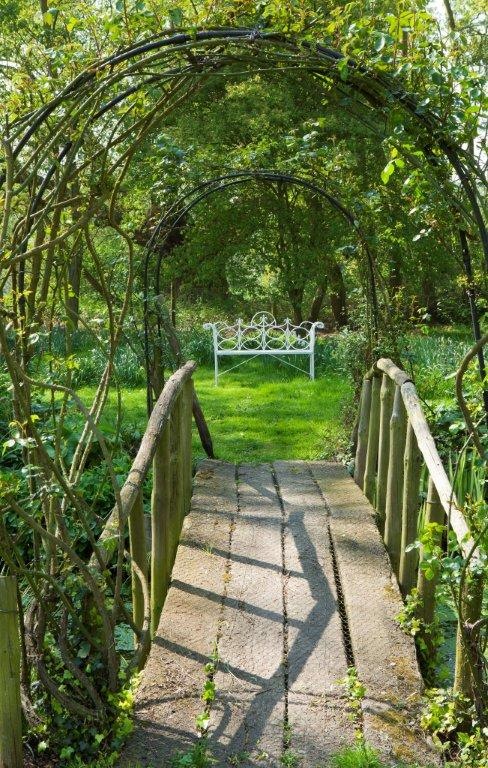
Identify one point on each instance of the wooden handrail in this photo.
(393, 440)
(428, 449)
(107, 542)
(166, 447)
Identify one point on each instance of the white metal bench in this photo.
(263, 335)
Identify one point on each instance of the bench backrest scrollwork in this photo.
(263, 335)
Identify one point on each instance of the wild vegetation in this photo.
(321, 160)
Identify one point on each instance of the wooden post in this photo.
(472, 606)
(202, 427)
(410, 506)
(373, 437)
(176, 506)
(363, 431)
(434, 513)
(138, 551)
(160, 527)
(394, 488)
(11, 755)
(186, 426)
(386, 398)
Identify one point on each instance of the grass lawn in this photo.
(260, 412)
(264, 411)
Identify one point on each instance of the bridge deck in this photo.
(282, 571)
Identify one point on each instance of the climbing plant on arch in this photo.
(63, 166)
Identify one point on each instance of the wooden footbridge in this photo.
(281, 587)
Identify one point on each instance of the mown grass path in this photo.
(260, 412)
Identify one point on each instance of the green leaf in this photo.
(343, 69)
(387, 171)
(202, 721)
(49, 18)
(83, 650)
(176, 17)
(208, 692)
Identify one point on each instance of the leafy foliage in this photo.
(103, 132)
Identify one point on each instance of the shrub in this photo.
(129, 369)
(352, 353)
(197, 345)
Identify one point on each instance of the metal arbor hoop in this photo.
(263, 336)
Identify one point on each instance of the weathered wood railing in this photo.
(166, 446)
(393, 442)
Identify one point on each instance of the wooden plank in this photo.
(316, 660)
(138, 551)
(187, 442)
(387, 366)
(431, 456)
(254, 576)
(108, 540)
(407, 577)
(248, 716)
(384, 655)
(436, 469)
(168, 699)
(177, 499)
(434, 514)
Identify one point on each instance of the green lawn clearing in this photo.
(260, 412)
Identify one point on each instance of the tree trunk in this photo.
(338, 298)
(175, 289)
(75, 267)
(10, 708)
(317, 302)
(296, 300)
(429, 299)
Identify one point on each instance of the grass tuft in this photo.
(360, 756)
(364, 756)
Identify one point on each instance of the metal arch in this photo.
(218, 184)
(379, 90)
